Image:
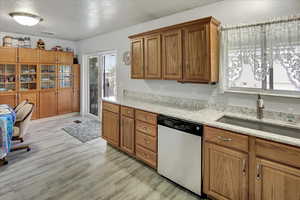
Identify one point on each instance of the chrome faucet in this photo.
(260, 107)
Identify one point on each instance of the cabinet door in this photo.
(110, 127)
(32, 97)
(276, 182)
(172, 55)
(28, 55)
(76, 101)
(65, 77)
(8, 54)
(48, 57)
(137, 59)
(65, 58)
(225, 173)
(196, 51)
(64, 101)
(76, 76)
(10, 99)
(48, 103)
(153, 57)
(127, 134)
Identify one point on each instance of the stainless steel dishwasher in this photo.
(179, 152)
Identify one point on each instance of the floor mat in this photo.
(84, 129)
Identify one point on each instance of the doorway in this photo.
(101, 73)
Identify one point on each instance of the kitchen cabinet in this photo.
(76, 101)
(28, 55)
(172, 55)
(237, 166)
(8, 55)
(226, 173)
(48, 57)
(48, 103)
(111, 123)
(65, 57)
(196, 66)
(187, 52)
(152, 56)
(137, 58)
(28, 77)
(276, 182)
(9, 98)
(127, 130)
(76, 87)
(8, 77)
(32, 97)
(64, 101)
(131, 130)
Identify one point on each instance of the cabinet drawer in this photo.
(110, 107)
(278, 152)
(126, 111)
(146, 117)
(146, 141)
(146, 128)
(146, 156)
(226, 138)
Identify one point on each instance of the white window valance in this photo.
(262, 51)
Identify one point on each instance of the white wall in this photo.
(228, 12)
(50, 42)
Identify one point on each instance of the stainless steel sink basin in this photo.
(261, 126)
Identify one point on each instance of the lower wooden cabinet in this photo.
(64, 101)
(48, 103)
(111, 127)
(132, 131)
(276, 182)
(32, 97)
(127, 134)
(10, 99)
(76, 101)
(265, 170)
(226, 173)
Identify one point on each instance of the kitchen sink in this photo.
(261, 126)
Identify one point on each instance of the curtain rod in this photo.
(262, 23)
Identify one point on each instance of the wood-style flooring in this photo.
(59, 167)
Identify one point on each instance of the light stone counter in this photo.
(208, 116)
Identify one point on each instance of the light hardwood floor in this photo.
(61, 167)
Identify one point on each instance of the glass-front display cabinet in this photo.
(48, 77)
(28, 77)
(65, 76)
(8, 77)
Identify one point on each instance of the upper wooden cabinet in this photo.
(196, 64)
(8, 55)
(28, 55)
(152, 57)
(64, 57)
(137, 55)
(172, 54)
(48, 57)
(187, 52)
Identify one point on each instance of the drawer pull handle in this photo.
(244, 167)
(145, 128)
(258, 171)
(224, 139)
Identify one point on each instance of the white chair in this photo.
(18, 107)
(21, 126)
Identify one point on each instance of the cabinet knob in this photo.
(258, 172)
(146, 141)
(244, 167)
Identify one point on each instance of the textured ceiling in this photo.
(80, 19)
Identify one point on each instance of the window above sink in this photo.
(262, 58)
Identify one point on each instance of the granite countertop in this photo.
(209, 117)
